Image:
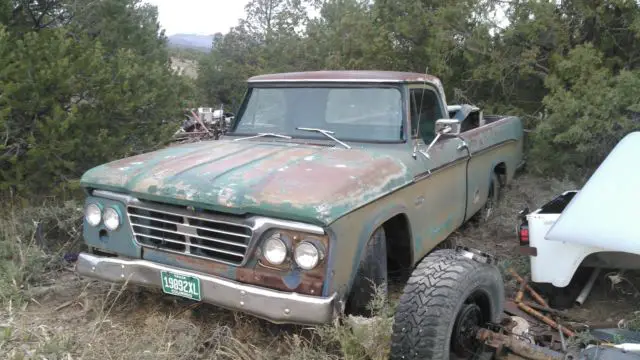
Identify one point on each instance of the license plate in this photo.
(181, 285)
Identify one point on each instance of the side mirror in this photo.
(448, 127)
(444, 127)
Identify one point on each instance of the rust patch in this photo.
(309, 282)
(280, 161)
(207, 266)
(481, 129)
(264, 179)
(479, 137)
(348, 177)
(287, 277)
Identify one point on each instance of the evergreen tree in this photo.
(76, 91)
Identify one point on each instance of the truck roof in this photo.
(347, 76)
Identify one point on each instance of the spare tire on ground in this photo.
(449, 296)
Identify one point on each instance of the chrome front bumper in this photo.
(275, 306)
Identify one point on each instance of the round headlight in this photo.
(93, 215)
(307, 255)
(275, 250)
(111, 219)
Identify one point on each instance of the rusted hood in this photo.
(315, 184)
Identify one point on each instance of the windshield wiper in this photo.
(326, 133)
(264, 135)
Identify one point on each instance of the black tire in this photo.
(371, 274)
(444, 285)
(448, 243)
(489, 207)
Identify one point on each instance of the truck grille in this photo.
(203, 237)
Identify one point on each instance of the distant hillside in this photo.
(191, 41)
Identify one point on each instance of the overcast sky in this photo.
(205, 17)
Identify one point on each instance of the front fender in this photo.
(120, 241)
(352, 233)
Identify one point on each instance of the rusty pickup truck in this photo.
(326, 182)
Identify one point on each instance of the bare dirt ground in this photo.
(66, 317)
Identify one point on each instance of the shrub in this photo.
(590, 110)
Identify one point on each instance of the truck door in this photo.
(441, 182)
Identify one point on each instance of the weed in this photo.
(31, 243)
(634, 321)
(363, 338)
(581, 340)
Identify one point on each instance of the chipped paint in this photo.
(293, 279)
(260, 178)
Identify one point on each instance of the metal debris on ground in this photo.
(540, 310)
(506, 346)
(547, 320)
(203, 124)
(533, 293)
(535, 331)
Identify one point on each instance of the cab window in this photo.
(425, 109)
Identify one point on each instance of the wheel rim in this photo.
(468, 321)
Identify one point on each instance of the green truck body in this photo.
(193, 219)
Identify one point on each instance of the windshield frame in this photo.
(364, 85)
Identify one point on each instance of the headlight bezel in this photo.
(292, 240)
(100, 209)
(115, 211)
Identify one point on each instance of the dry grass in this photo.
(97, 321)
(49, 313)
(32, 244)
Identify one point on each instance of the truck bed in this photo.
(555, 262)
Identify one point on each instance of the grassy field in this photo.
(49, 313)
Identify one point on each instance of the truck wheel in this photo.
(372, 273)
(492, 200)
(448, 297)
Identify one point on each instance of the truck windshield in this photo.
(351, 113)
